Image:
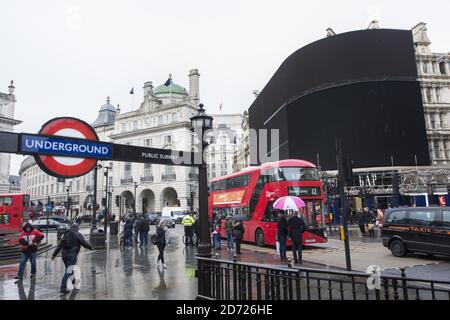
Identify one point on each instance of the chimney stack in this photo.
(194, 89)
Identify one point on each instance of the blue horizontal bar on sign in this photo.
(65, 147)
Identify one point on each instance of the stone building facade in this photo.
(434, 76)
(7, 123)
(161, 121)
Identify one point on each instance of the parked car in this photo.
(153, 217)
(60, 219)
(41, 224)
(170, 223)
(421, 230)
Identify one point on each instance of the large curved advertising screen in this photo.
(360, 87)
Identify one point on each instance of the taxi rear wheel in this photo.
(398, 248)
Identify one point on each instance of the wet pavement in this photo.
(121, 273)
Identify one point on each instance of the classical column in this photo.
(442, 149)
(431, 146)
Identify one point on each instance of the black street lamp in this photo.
(94, 202)
(69, 205)
(106, 210)
(200, 123)
(134, 202)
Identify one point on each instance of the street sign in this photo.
(52, 153)
(49, 207)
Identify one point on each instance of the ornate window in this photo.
(425, 67)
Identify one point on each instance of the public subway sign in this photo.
(68, 147)
(65, 147)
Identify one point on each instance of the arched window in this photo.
(174, 117)
(160, 120)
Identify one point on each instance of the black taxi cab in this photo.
(417, 230)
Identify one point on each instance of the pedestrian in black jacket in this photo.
(238, 231)
(128, 233)
(297, 226)
(70, 246)
(282, 234)
(143, 232)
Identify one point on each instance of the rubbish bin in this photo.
(98, 239)
(113, 228)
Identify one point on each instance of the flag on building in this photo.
(132, 91)
(220, 107)
(169, 81)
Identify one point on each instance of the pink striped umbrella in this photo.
(289, 203)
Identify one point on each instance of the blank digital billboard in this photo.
(359, 86)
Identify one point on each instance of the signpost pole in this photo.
(343, 200)
(94, 202)
(46, 229)
(106, 202)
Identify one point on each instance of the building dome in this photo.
(108, 106)
(106, 115)
(173, 88)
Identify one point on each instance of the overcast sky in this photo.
(66, 56)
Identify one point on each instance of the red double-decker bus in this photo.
(14, 211)
(251, 192)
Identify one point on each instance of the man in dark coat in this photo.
(297, 226)
(143, 232)
(282, 234)
(238, 230)
(128, 233)
(70, 246)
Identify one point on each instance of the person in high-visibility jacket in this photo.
(188, 223)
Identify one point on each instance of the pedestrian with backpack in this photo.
(70, 246)
(143, 232)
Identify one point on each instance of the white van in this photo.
(176, 213)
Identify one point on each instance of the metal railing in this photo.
(126, 180)
(231, 280)
(193, 175)
(171, 176)
(147, 179)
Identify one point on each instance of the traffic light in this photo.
(117, 201)
(104, 201)
(127, 203)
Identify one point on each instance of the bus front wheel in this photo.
(259, 238)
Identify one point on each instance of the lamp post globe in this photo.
(201, 120)
(200, 123)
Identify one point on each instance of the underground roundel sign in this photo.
(62, 165)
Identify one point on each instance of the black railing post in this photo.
(404, 284)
